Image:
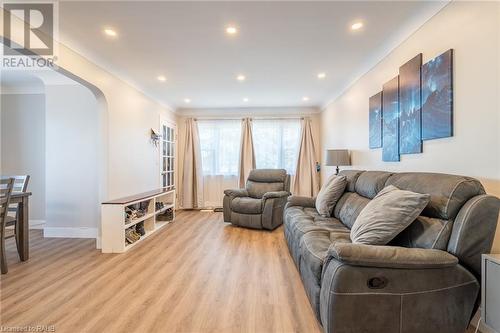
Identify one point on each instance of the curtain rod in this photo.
(241, 118)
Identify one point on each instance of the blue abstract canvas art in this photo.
(437, 97)
(410, 106)
(390, 121)
(375, 121)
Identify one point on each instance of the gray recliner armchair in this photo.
(260, 205)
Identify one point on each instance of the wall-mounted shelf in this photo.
(156, 210)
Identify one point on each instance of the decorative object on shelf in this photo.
(159, 205)
(410, 124)
(155, 137)
(168, 215)
(136, 211)
(416, 105)
(337, 157)
(375, 120)
(437, 97)
(139, 228)
(131, 236)
(390, 121)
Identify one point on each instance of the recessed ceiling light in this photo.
(110, 32)
(321, 75)
(187, 100)
(245, 99)
(241, 77)
(231, 30)
(161, 78)
(305, 98)
(357, 25)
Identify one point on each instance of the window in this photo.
(276, 143)
(220, 146)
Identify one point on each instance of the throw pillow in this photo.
(391, 211)
(329, 194)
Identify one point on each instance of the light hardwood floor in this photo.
(198, 274)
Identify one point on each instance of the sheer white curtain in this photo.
(220, 148)
(276, 143)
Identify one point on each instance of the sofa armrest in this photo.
(390, 256)
(279, 194)
(239, 192)
(296, 200)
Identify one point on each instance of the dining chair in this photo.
(12, 219)
(6, 186)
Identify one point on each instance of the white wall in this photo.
(72, 161)
(129, 164)
(23, 144)
(127, 114)
(472, 30)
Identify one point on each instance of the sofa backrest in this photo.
(261, 181)
(435, 228)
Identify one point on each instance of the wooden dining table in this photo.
(23, 230)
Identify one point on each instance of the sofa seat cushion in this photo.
(300, 220)
(246, 205)
(313, 250)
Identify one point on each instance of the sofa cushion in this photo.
(258, 189)
(348, 208)
(425, 232)
(390, 212)
(246, 205)
(448, 192)
(268, 175)
(329, 194)
(369, 183)
(313, 251)
(298, 221)
(351, 177)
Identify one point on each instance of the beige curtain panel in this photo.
(247, 154)
(306, 181)
(192, 175)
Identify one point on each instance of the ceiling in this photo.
(280, 47)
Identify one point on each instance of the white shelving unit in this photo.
(114, 219)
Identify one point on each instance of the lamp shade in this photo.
(336, 157)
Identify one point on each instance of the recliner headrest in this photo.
(267, 175)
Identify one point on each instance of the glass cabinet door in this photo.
(167, 156)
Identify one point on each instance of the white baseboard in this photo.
(67, 232)
(37, 224)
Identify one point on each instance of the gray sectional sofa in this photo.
(425, 280)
